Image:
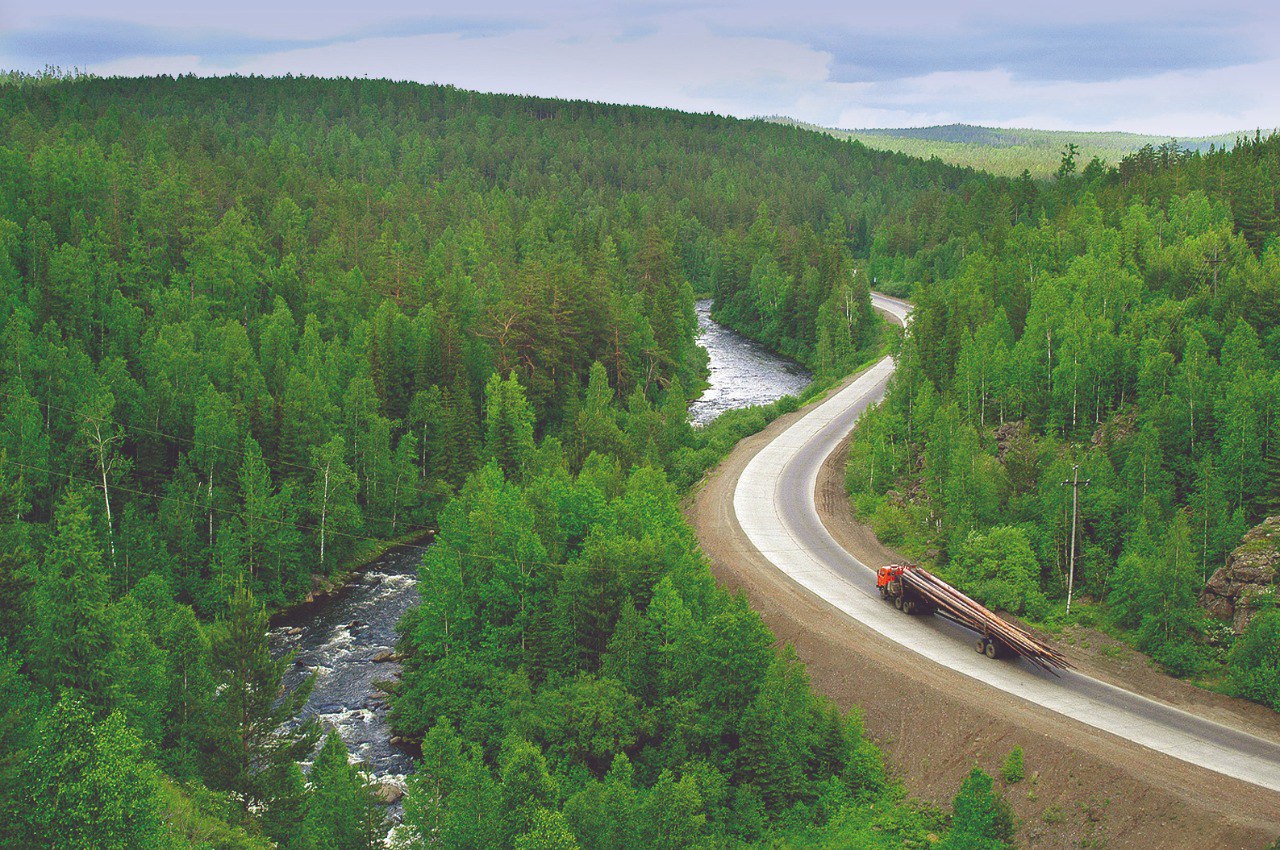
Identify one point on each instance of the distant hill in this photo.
(1010, 151)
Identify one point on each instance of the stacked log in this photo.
(968, 613)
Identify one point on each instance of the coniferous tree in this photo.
(190, 684)
(341, 810)
(508, 425)
(983, 819)
(70, 634)
(15, 554)
(249, 750)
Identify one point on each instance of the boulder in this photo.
(1250, 570)
(389, 793)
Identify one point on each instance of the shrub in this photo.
(1012, 772)
(1255, 660)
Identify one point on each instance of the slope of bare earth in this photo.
(1084, 788)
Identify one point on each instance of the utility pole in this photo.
(1075, 484)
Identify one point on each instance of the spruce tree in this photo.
(508, 425)
(253, 736)
(70, 636)
(342, 812)
(15, 553)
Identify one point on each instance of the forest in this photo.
(255, 329)
(1010, 152)
(1125, 333)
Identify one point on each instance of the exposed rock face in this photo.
(388, 792)
(1250, 570)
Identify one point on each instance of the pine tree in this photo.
(190, 689)
(461, 437)
(508, 425)
(249, 749)
(15, 553)
(70, 632)
(342, 812)
(597, 422)
(23, 707)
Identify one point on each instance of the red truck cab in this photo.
(888, 574)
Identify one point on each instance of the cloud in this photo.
(87, 42)
(1083, 52)
(1160, 66)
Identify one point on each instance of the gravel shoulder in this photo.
(1084, 787)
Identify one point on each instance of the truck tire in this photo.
(980, 646)
(992, 650)
(908, 606)
(897, 602)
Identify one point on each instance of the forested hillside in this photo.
(1009, 152)
(254, 328)
(1127, 325)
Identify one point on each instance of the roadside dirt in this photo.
(1084, 788)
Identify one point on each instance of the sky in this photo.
(1165, 67)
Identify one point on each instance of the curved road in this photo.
(774, 504)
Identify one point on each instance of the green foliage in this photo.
(1011, 152)
(1000, 570)
(88, 785)
(254, 327)
(1013, 771)
(249, 753)
(616, 684)
(983, 819)
(1255, 659)
(1121, 333)
(341, 811)
(508, 424)
(19, 730)
(70, 633)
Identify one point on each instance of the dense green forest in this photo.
(254, 328)
(1010, 152)
(1130, 325)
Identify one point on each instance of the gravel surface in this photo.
(1083, 785)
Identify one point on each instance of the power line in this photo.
(300, 506)
(71, 476)
(440, 544)
(194, 442)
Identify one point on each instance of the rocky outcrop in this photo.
(388, 792)
(1250, 570)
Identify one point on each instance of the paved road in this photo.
(774, 504)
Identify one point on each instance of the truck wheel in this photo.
(980, 646)
(991, 650)
(897, 602)
(908, 607)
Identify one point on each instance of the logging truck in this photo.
(915, 590)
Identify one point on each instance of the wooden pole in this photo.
(1076, 484)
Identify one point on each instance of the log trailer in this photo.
(915, 590)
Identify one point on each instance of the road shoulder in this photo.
(934, 724)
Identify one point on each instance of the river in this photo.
(339, 637)
(743, 372)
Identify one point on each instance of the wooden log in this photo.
(972, 615)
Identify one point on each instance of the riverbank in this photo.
(365, 555)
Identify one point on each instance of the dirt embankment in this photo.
(1084, 788)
